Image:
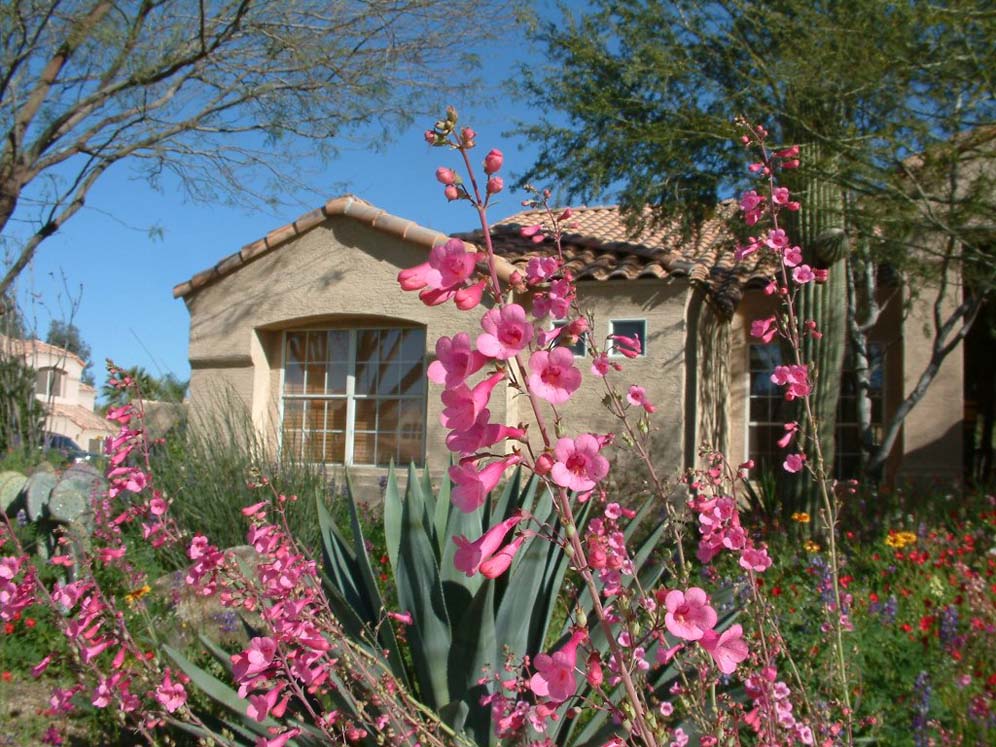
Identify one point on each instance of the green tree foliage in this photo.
(893, 102)
(67, 335)
(21, 415)
(165, 388)
(205, 92)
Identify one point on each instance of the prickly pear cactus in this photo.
(70, 498)
(38, 489)
(11, 486)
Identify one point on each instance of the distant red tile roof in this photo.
(348, 206)
(598, 246)
(84, 418)
(27, 348)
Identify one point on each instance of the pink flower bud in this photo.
(792, 163)
(468, 136)
(445, 176)
(493, 161)
(543, 464)
(430, 137)
(515, 278)
(469, 297)
(566, 214)
(451, 192)
(495, 185)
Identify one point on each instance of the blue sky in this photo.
(119, 277)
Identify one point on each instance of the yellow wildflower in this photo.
(133, 596)
(810, 546)
(801, 516)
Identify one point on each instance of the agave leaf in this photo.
(508, 501)
(460, 589)
(392, 516)
(474, 648)
(420, 592)
(341, 565)
(441, 515)
(420, 507)
(454, 714)
(369, 590)
(217, 690)
(525, 587)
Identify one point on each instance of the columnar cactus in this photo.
(820, 229)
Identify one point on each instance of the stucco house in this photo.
(308, 329)
(68, 401)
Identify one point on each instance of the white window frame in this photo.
(350, 394)
(643, 340)
(52, 376)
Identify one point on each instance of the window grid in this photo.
(768, 411)
(354, 396)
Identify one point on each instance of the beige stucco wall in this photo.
(932, 434)
(661, 371)
(340, 274)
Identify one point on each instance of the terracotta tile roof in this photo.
(29, 348)
(84, 418)
(598, 246)
(349, 206)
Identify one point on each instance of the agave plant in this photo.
(462, 625)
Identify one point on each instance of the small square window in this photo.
(579, 348)
(629, 328)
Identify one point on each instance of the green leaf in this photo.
(421, 593)
(474, 647)
(392, 516)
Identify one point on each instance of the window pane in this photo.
(387, 416)
(293, 415)
(364, 445)
(390, 378)
(313, 448)
(365, 418)
(295, 347)
(317, 347)
(390, 344)
(335, 420)
(412, 378)
(387, 448)
(314, 378)
(410, 448)
(338, 346)
(336, 378)
(294, 379)
(335, 448)
(315, 417)
(412, 345)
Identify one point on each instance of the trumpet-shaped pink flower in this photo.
(257, 658)
(764, 329)
(637, 396)
(450, 265)
(171, 695)
(553, 376)
(727, 649)
(579, 465)
(472, 487)
(555, 677)
(689, 615)
(628, 346)
(556, 301)
(462, 405)
(539, 269)
(506, 332)
(480, 435)
(470, 555)
(455, 360)
(795, 378)
(794, 462)
(803, 274)
(469, 297)
(500, 562)
(751, 203)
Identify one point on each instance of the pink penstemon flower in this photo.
(689, 615)
(553, 376)
(455, 360)
(506, 332)
(470, 555)
(578, 464)
(471, 486)
(556, 678)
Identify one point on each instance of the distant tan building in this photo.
(68, 401)
(308, 328)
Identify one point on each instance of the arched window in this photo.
(354, 396)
